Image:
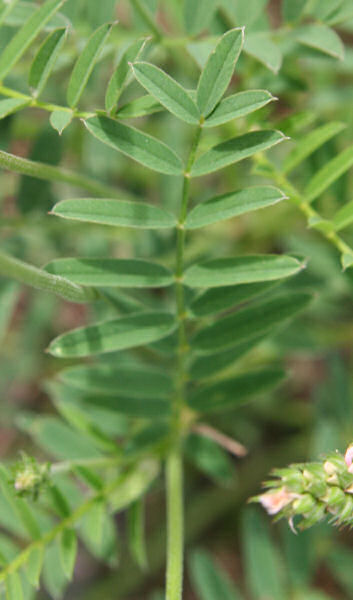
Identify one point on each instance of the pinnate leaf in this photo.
(218, 70)
(234, 150)
(139, 146)
(85, 63)
(238, 105)
(249, 322)
(167, 91)
(111, 272)
(231, 393)
(241, 269)
(117, 334)
(119, 213)
(232, 204)
(25, 36)
(45, 59)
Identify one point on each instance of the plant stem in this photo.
(174, 465)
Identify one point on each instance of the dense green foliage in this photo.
(152, 203)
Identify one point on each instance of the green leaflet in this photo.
(198, 14)
(68, 551)
(6, 10)
(238, 105)
(232, 204)
(130, 381)
(218, 70)
(241, 269)
(209, 581)
(328, 174)
(203, 367)
(13, 587)
(261, 47)
(343, 217)
(321, 38)
(109, 336)
(34, 565)
(210, 458)
(135, 485)
(249, 322)
(292, 11)
(141, 107)
(45, 59)
(167, 91)
(85, 63)
(25, 36)
(60, 119)
(215, 300)
(136, 533)
(119, 213)
(234, 150)
(121, 74)
(142, 408)
(111, 272)
(139, 146)
(11, 105)
(309, 143)
(231, 393)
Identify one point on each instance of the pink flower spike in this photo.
(273, 502)
(348, 457)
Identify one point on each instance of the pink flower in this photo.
(348, 457)
(274, 501)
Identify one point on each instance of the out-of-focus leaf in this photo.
(34, 565)
(8, 297)
(292, 11)
(210, 582)
(321, 38)
(261, 47)
(329, 173)
(203, 367)
(11, 105)
(44, 61)
(198, 14)
(136, 532)
(311, 142)
(343, 217)
(68, 551)
(13, 587)
(210, 458)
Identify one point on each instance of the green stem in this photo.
(48, 106)
(39, 170)
(174, 466)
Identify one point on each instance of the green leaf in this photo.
(238, 105)
(60, 119)
(198, 14)
(139, 146)
(343, 217)
(119, 213)
(342, 13)
(45, 59)
(141, 107)
(7, 8)
(241, 269)
(109, 336)
(85, 63)
(321, 38)
(121, 74)
(95, 522)
(209, 581)
(203, 367)
(292, 11)
(136, 533)
(263, 565)
(34, 565)
(68, 551)
(141, 408)
(309, 143)
(218, 70)
(231, 393)
(328, 174)
(234, 150)
(20, 271)
(232, 204)
(13, 587)
(25, 36)
(11, 105)
(131, 381)
(210, 458)
(111, 272)
(216, 300)
(135, 484)
(167, 91)
(261, 47)
(249, 322)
